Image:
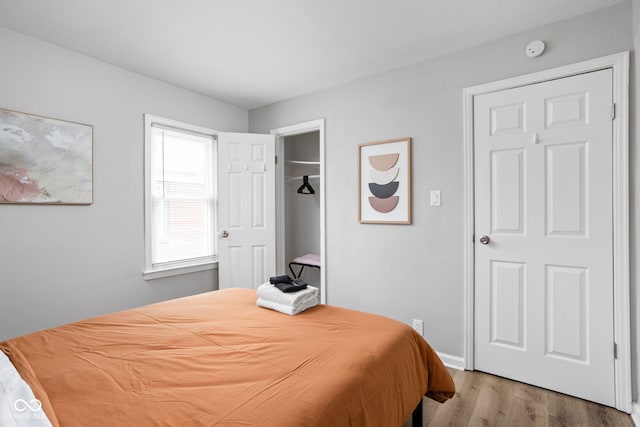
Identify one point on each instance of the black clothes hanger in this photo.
(306, 186)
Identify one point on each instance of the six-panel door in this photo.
(543, 197)
(246, 206)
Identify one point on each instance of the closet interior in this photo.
(302, 207)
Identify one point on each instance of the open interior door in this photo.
(246, 206)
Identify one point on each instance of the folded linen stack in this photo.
(290, 303)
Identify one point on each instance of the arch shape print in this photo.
(384, 205)
(384, 191)
(383, 162)
(383, 177)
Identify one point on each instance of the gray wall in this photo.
(64, 263)
(415, 271)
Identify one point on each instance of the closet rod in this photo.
(294, 178)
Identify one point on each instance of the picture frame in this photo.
(45, 161)
(384, 182)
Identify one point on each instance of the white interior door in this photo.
(543, 199)
(246, 206)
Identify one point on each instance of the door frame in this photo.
(619, 63)
(281, 133)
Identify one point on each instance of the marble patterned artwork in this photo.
(44, 161)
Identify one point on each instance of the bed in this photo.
(218, 359)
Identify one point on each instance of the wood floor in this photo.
(486, 400)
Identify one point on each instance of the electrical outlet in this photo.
(418, 326)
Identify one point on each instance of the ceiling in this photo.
(255, 52)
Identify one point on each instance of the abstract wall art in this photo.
(384, 182)
(45, 161)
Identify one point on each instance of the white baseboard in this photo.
(455, 362)
(635, 413)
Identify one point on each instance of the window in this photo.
(180, 198)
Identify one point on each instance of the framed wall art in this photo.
(384, 182)
(44, 160)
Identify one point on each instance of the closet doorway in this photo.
(300, 201)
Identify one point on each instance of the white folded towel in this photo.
(292, 302)
(269, 292)
(287, 309)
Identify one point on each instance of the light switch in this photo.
(435, 198)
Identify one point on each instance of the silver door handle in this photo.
(224, 234)
(485, 240)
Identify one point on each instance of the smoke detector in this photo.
(535, 48)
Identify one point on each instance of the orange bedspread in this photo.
(218, 359)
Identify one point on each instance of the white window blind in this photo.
(181, 204)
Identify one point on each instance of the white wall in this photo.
(416, 271)
(64, 263)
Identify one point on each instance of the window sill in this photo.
(175, 271)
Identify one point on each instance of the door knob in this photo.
(225, 234)
(485, 240)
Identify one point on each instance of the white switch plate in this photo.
(418, 326)
(435, 198)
